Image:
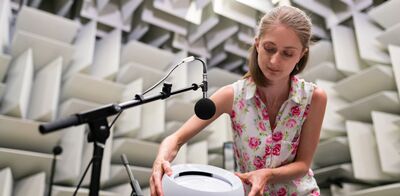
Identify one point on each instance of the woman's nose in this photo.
(275, 58)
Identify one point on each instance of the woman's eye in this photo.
(270, 50)
(288, 54)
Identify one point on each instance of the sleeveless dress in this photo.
(257, 145)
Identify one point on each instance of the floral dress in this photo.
(257, 145)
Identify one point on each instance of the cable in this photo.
(84, 174)
(185, 60)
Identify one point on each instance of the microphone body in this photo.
(205, 107)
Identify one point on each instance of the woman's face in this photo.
(279, 50)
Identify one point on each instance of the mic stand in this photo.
(99, 129)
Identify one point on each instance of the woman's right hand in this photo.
(160, 167)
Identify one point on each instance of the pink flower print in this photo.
(294, 148)
(261, 126)
(295, 110)
(277, 136)
(258, 162)
(295, 79)
(291, 123)
(307, 110)
(233, 114)
(254, 142)
(276, 150)
(258, 102)
(267, 150)
(246, 156)
(265, 114)
(293, 194)
(281, 192)
(241, 104)
(238, 128)
(314, 193)
(269, 139)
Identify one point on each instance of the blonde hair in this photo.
(291, 17)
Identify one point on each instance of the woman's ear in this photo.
(304, 52)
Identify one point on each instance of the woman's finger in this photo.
(152, 188)
(157, 183)
(255, 190)
(167, 168)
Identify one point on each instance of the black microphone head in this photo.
(57, 150)
(204, 109)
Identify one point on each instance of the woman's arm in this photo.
(168, 149)
(309, 139)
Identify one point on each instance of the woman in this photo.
(276, 117)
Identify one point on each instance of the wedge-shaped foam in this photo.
(387, 136)
(20, 167)
(389, 36)
(44, 50)
(219, 77)
(159, 18)
(67, 191)
(367, 82)
(332, 151)
(107, 56)
(345, 48)
(360, 110)
(153, 120)
(386, 190)
(186, 10)
(236, 47)
(246, 35)
(320, 52)
(222, 132)
(84, 46)
(35, 185)
(139, 28)
(45, 92)
(236, 12)
(395, 58)
(208, 20)
(130, 121)
(5, 17)
(127, 7)
(262, 6)
(91, 89)
(334, 13)
(6, 182)
(18, 86)
(4, 63)
(173, 126)
(178, 110)
(333, 124)
(324, 71)
(371, 51)
(14, 133)
(119, 174)
(340, 171)
(144, 54)
(364, 152)
(198, 47)
(215, 159)
(133, 71)
(110, 15)
(139, 153)
(197, 153)
(221, 32)
(233, 62)
(219, 55)
(156, 36)
(56, 27)
(386, 13)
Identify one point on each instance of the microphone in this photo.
(136, 190)
(205, 107)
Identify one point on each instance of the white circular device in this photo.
(200, 180)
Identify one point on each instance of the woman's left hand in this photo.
(257, 179)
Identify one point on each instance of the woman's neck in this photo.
(276, 90)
